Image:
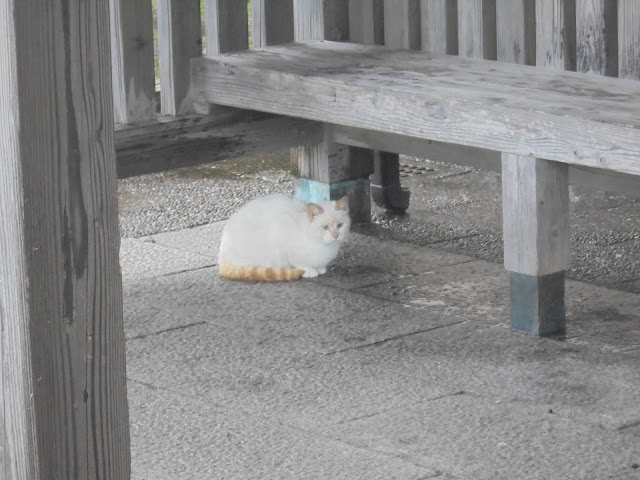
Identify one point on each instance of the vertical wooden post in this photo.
(556, 34)
(477, 29)
(132, 61)
(535, 204)
(629, 39)
(226, 26)
(179, 40)
(328, 171)
(597, 32)
(439, 26)
(366, 21)
(535, 198)
(272, 22)
(64, 401)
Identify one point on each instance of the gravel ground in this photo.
(453, 208)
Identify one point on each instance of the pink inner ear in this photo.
(343, 204)
(313, 210)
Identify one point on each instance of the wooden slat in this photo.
(564, 116)
(226, 26)
(597, 30)
(336, 20)
(402, 24)
(556, 34)
(535, 215)
(477, 29)
(308, 20)
(629, 39)
(272, 22)
(439, 26)
(132, 61)
(515, 31)
(176, 142)
(62, 343)
(179, 40)
(366, 23)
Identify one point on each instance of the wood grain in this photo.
(556, 34)
(175, 142)
(629, 39)
(535, 203)
(564, 116)
(179, 40)
(63, 369)
(597, 31)
(477, 29)
(366, 24)
(272, 22)
(515, 31)
(439, 26)
(308, 22)
(402, 24)
(133, 75)
(226, 26)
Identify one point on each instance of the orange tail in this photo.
(259, 274)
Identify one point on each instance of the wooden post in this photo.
(477, 29)
(629, 39)
(179, 40)
(226, 25)
(597, 32)
(439, 26)
(535, 196)
(132, 61)
(328, 171)
(62, 378)
(556, 34)
(535, 205)
(272, 22)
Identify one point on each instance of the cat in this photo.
(280, 238)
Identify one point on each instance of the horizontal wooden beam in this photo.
(182, 141)
(568, 117)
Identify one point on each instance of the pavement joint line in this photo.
(391, 339)
(187, 270)
(170, 329)
(173, 247)
(628, 425)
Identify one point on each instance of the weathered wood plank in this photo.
(176, 142)
(336, 20)
(226, 26)
(402, 24)
(629, 39)
(308, 20)
(597, 31)
(535, 215)
(179, 40)
(574, 118)
(366, 24)
(516, 31)
(439, 26)
(556, 34)
(477, 29)
(132, 61)
(272, 22)
(63, 360)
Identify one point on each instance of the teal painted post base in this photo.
(537, 303)
(358, 191)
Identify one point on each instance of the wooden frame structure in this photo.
(62, 382)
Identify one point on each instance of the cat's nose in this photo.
(334, 234)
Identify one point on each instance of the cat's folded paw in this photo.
(310, 273)
(322, 271)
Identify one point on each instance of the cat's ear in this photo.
(313, 210)
(343, 204)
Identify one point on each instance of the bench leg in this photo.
(535, 200)
(328, 171)
(385, 183)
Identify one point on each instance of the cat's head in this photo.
(330, 221)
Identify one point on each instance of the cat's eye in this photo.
(340, 225)
(325, 227)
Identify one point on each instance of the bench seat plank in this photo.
(569, 117)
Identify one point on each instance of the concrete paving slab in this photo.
(143, 258)
(177, 437)
(203, 240)
(474, 290)
(476, 437)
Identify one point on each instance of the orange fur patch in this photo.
(259, 274)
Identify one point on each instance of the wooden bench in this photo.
(541, 120)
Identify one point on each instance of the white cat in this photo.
(281, 238)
